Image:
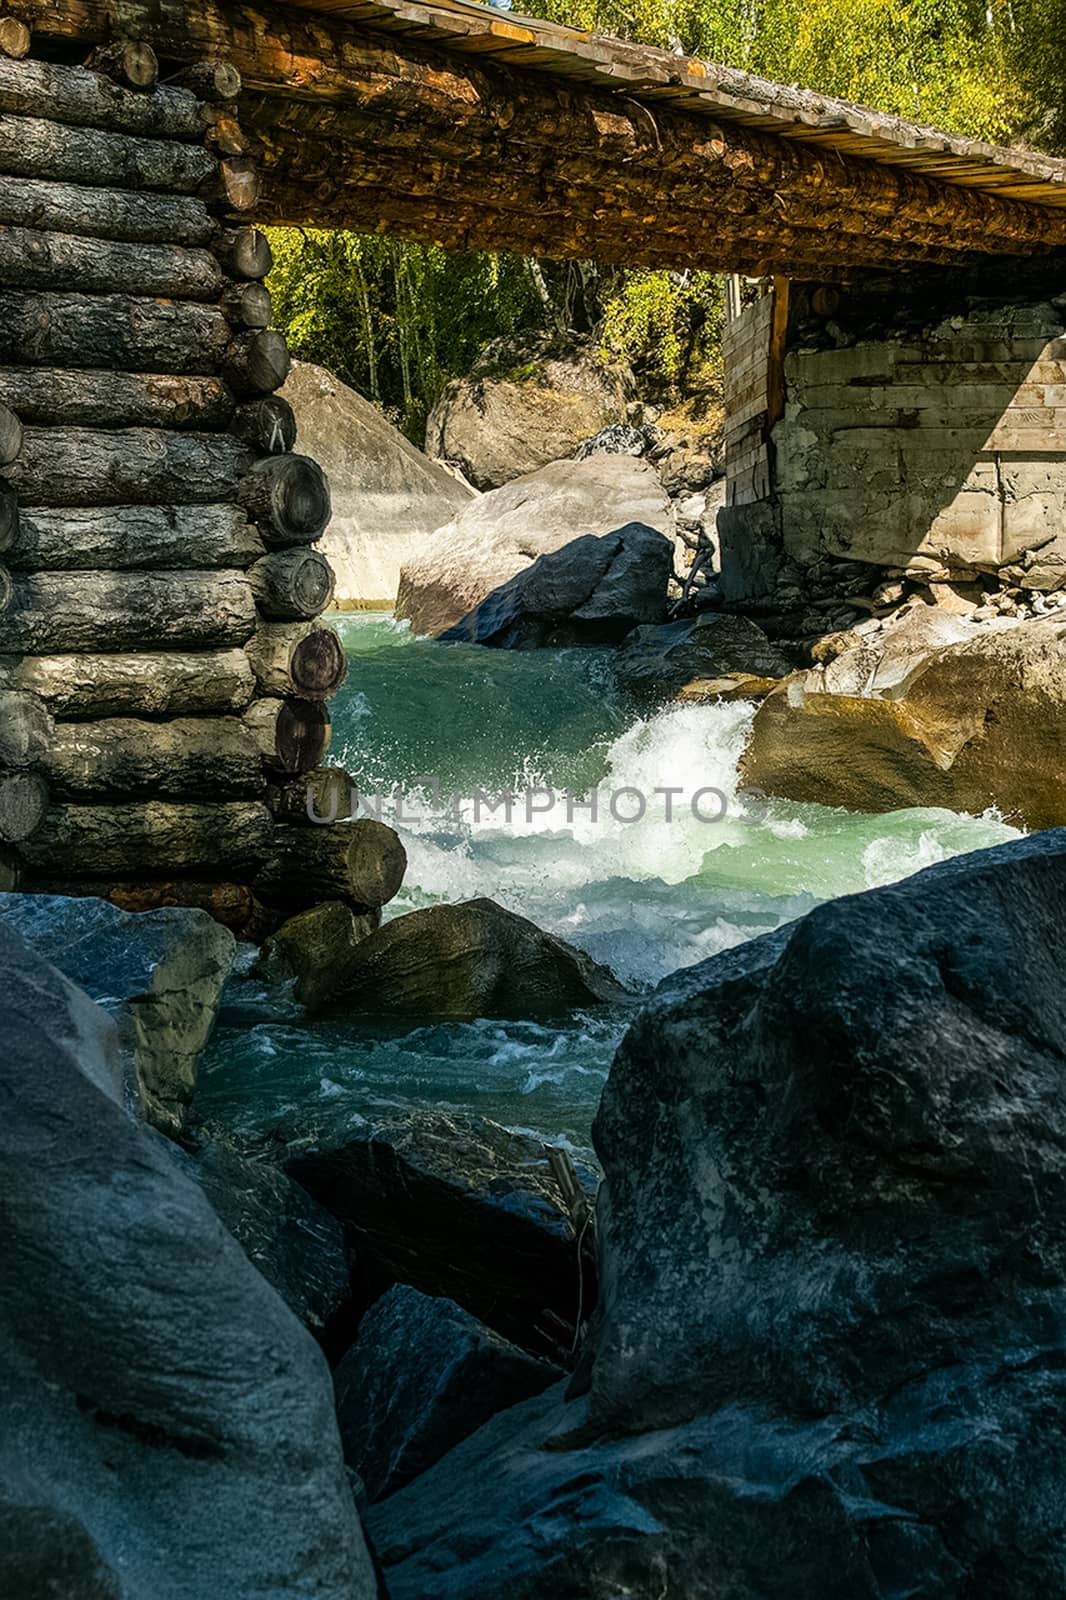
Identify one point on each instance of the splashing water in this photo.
(432, 734)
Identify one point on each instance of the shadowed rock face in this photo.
(166, 1425)
(832, 1354)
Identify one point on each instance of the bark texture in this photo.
(155, 684)
(105, 213)
(154, 836)
(133, 466)
(292, 735)
(35, 258)
(78, 96)
(110, 330)
(290, 585)
(133, 538)
(57, 612)
(102, 399)
(205, 758)
(361, 862)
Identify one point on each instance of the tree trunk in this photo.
(323, 796)
(23, 805)
(268, 426)
(166, 684)
(105, 213)
(292, 584)
(34, 258)
(297, 658)
(76, 330)
(54, 612)
(75, 95)
(291, 735)
(245, 253)
(133, 466)
(26, 728)
(204, 758)
(288, 499)
(257, 363)
(155, 836)
(247, 305)
(15, 38)
(103, 399)
(361, 862)
(133, 538)
(31, 147)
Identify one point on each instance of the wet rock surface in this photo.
(166, 1425)
(311, 953)
(656, 662)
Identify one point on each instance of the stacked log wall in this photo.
(163, 672)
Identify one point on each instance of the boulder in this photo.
(422, 1376)
(831, 1349)
(523, 405)
(313, 951)
(387, 496)
(655, 663)
(293, 1241)
(166, 1425)
(460, 1207)
(503, 533)
(981, 723)
(591, 592)
(475, 959)
(160, 974)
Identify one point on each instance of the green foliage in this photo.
(668, 325)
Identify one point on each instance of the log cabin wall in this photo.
(162, 674)
(923, 430)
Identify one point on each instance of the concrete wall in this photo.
(924, 427)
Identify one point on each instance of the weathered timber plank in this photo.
(56, 612)
(133, 538)
(160, 683)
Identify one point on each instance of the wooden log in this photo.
(78, 330)
(288, 499)
(205, 758)
(292, 735)
(7, 590)
(292, 584)
(23, 804)
(257, 363)
(10, 871)
(247, 305)
(245, 253)
(211, 81)
(326, 795)
(225, 133)
(31, 147)
(26, 728)
(127, 466)
(297, 658)
(268, 425)
(237, 184)
(129, 62)
(36, 258)
(361, 862)
(160, 684)
(101, 399)
(56, 612)
(105, 213)
(133, 539)
(10, 436)
(232, 904)
(158, 836)
(9, 515)
(15, 38)
(76, 95)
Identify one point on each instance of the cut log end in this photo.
(268, 425)
(292, 735)
(360, 862)
(15, 38)
(290, 585)
(245, 253)
(319, 665)
(297, 658)
(131, 63)
(247, 305)
(237, 187)
(213, 81)
(23, 804)
(288, 498)
(257, 363)
(10, 437)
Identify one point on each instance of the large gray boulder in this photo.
(421, 1377)
(656, 663)
(166, 1424)
(832, 1343)
(591, 592)
(160, 974)
(460, 1207)
(387, 496)
(522, 406)
(475, 959)
(503, 533)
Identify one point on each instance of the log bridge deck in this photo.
(457, 124)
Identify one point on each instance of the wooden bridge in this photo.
(454, 123)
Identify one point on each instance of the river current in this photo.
(437, 737)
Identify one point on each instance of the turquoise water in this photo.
(423, 727)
